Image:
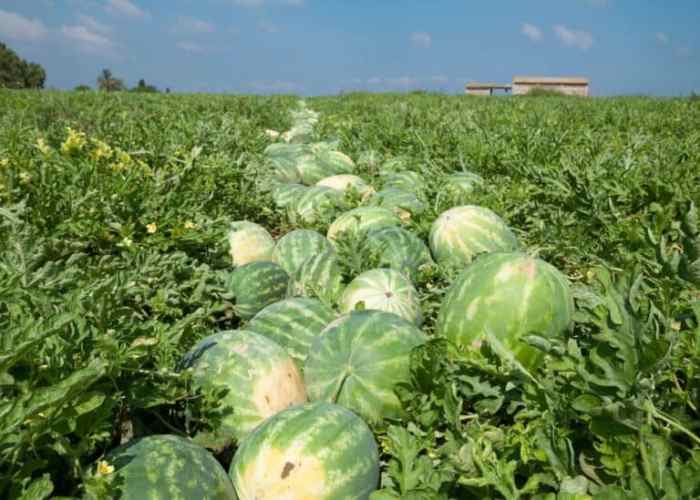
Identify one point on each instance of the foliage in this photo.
(114, 213)
(16, 73)
(107, 82)
(142, 86)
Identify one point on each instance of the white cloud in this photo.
(574, 38)
(421, 39)
(126, 8)
(192, 25)
(531, 31)
(662, 38)
(87, 40)
(94, 25)
(17, 27)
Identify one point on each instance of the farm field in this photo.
(543, 343)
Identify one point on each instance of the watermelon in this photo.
(286, 194)
(360, 220)
(403, 203)
(503, 296)
(256, 285)
(318, 276)
(383, 290)
(404, 180)
(164, 467)
(316, 451)
(323, 163)
(293, 324)
(346, 182)
(358, 359)
(316, 203)
(398, 249)
(297, 246)
(249, 242)
(259, 377)
(462, 184)
(460, 233)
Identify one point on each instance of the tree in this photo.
(83, 88)
(16, 73)
(143, 87)
(107, 82)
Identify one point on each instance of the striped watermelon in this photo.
(404, 180)
(297, 246)
(318, 276)
(399, 249)
(403, 203)
(256, 285)
(460, 233)
(315, 451)
(346, 182)
(360, 220)
(164, 467)
(293, 324)
(249, 242)
(462, 184)
(383, 290)
(259, 376)
(324, 163)
(503, 296)
(286, 194)
(358, 359)
(315, 204)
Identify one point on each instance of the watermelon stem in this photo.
(346, 374)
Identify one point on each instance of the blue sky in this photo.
(326, 46)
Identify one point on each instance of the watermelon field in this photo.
(413, 296)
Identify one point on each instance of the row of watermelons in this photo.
(309, 336)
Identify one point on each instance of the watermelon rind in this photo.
(295, 247)
(360, 220)
(399, 249)
(256, 285)
(249, 242)
(318, 276)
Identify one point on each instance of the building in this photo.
(524, 84)
(569, 86)
(474, 88)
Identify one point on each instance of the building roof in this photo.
(477, 85)
(550, 80)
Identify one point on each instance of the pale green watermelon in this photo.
(383, 290)
(462, 184)
(293, 323)
(324, 163)
(164, 467)
(460, 233)
(404, 180)
(315, 204)
(286, 194)
(502, 297)
(256, 285)
(399, 249)
(259, 376)
(249, 242)
(318, 276)
(297, 246)
(346, 182)
(317, 451)
(404, 203)
(362, 219)
(357, 361)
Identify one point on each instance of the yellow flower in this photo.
(102, 150)
(124, 160)
(4, 162)
(104, 469)
(151, 228)
(190, 225)
(41, 145)
(74, 143)
(25, 178)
